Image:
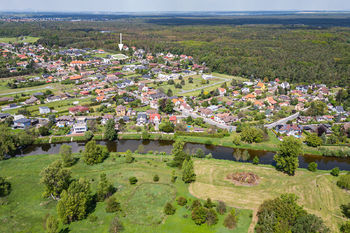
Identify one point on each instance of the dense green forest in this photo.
(292, 52)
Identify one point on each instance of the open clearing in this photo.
(317, 192)
(25, 39)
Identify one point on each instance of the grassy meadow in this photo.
(317, 191)
(25, 39)
(24, 210)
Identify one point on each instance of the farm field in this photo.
(24, 209)
(317, 192)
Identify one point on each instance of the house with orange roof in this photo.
(100, 98)
(78, 63)
(155, 118)
(222, 91)
(261, 86)
(235, 93)
(271, 101)
(249, 97)
(258, 104)
(77, 77)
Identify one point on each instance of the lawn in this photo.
(142, 204)
(317, 192)
(197, 83)
(26, 39)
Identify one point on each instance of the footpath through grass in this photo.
(142, 204)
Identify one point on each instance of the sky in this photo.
(173, 5)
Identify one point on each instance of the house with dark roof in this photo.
(31, 100)
(289, 130)
(22, 123)
(141, 118)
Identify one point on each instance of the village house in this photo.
(205, 112)
(78, 109)
(44, 110)
(120, 110)
(22, 123)
(63, 121)
(155, 118)
(141, 118)
(80, 126)
(289, 130)
(32, 100)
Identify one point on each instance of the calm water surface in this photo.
(218, 152)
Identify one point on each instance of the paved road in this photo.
(200, 88)
(282, 121)
(17, 92)
(209, 121)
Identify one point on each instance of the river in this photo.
(218, 152)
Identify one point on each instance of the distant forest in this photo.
(296, 49)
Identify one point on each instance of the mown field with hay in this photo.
(317, 191)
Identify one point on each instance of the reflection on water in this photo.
(218, 152)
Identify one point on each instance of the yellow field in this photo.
(317, 192)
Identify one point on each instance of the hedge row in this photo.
(203, 134)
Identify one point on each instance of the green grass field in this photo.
(142, 204)
(317, 192)
(26, 39)
(197, 83)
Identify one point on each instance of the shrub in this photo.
(195, 204)
(256, 160)
(230, 221)
(173, 177)
(199, 215)
(129, 158)
(112, 205)
(345, 228)
(51, 225)
(236, 140)
(221, 207)
(209, 204)
(5, 187)
(133, 180)
(199, 153)
(313, 140)
(209, 156)
(92, 218)
(169, 209)
(312, 166)
(181, 201)
(335, 171)
(155, 178)
(116, 226)
(212, 217)
(344, 181)
(88, 135)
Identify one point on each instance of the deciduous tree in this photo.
(56, 179)
(287, 156)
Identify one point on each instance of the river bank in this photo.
(271, 145)
(156, 145)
